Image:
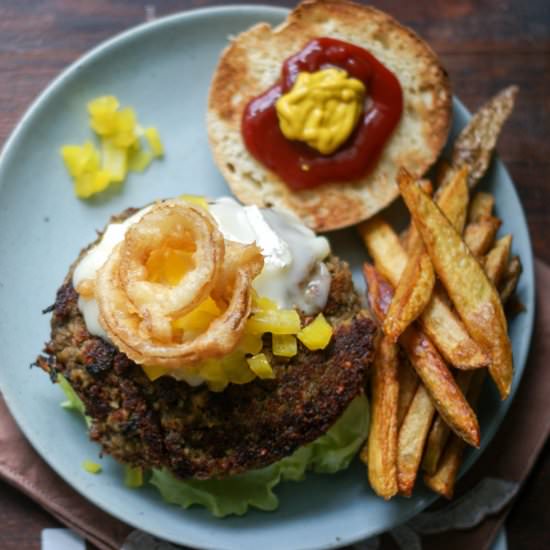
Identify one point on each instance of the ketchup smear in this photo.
(301, 166)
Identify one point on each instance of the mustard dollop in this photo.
(321, 109)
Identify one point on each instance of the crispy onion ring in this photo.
(129, 308)
(156, 303)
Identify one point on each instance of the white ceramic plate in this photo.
(163, 69)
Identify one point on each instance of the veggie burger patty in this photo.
(198, 433)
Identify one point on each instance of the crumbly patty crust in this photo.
(197, 433)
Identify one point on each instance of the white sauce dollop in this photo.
(294, 274)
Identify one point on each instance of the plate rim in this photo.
(119, 39)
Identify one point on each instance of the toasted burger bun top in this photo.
(252, 63)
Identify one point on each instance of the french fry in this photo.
(384, 248)
(481, 206)
(411, 439)
(475, 144)
(440, 431)
(428, 363)
(510, 279)
(471, 292)
(453, 198)
(412, 295)
(414, 290)
(479, 236)
(408, 382)
(380, 452)
(409, 237)
(495, 264)
(438, 320)
(442, 481)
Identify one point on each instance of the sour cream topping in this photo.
(293, 275)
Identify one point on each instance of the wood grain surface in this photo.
(485, 45)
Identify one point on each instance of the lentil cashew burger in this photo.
(211, 344)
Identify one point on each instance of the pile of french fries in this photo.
(438, 291)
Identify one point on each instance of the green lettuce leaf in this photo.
(222, 497)
(73, 401)
(234, 495)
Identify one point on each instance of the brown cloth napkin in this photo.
(527, 425)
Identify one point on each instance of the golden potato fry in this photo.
(408, 382)
(414, 290)
(384, 248)
(496, 262)
(481, 206)
(453, 198)
(410, 237)
(440, 431)
(443, 172)
(412, 294)
(441, 385)
(510, 279)
(380, 452)
(442, 481)
(479, 236)
(430, 367)
(475, 144)
(411, 439)
(471, 292)
(438, 320)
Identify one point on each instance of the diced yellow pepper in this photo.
(251, 343)
(91, 467)
(103, 118)
(218, 386)
(236, 369)
(317, 334)
(195, 321)
(80, 159)
(153, 138)
(133, 477)
(139, 160)
(114, 160)
(284, 345)
(212, 371)
(200, 318)
(262, 303)
(282, 321)
(125, 133)
(90, 183)
(260, 366)
(153, 372)
(168, 265)
(102, 104)
(195, 199)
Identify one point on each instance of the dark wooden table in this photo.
(485, 45)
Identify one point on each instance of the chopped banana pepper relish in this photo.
(121, 150)
(168, 265)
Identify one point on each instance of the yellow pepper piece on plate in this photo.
(153, 138)
(139, 160)
(102, 114)
(122, 150)
(115, 160)
(91, 467)
(90, 183)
